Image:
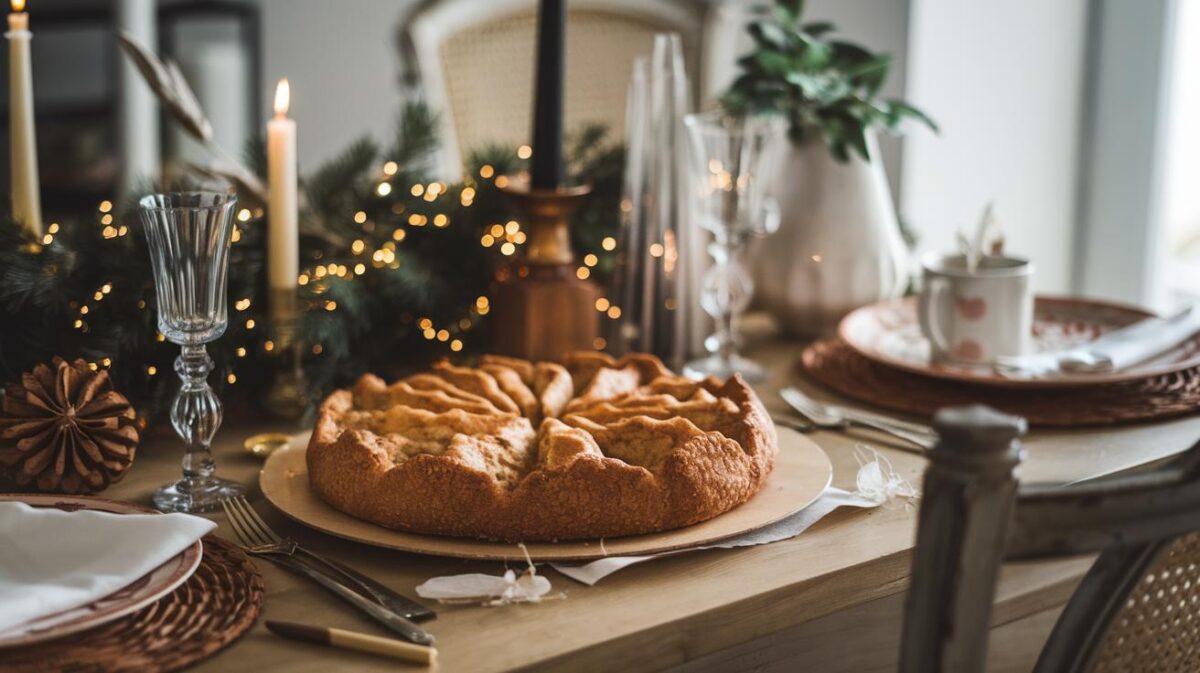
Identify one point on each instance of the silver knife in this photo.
(398, 603)
(394, 622)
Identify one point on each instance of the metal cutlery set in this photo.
(394, 611)
(831, 417)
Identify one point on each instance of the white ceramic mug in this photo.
(975, 316)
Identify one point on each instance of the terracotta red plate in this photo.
(888, 333)
(144, 591)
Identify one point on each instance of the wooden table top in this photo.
(664, 612)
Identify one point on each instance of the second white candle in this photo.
(283, 234)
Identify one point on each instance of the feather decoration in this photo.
(167, 82)
(169, 85)
(489, 590)
(250, 189)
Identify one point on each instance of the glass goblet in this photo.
(188, 235)
(733, 160)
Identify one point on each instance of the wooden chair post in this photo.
(968, 498)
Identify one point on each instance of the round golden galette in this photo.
(514, 450)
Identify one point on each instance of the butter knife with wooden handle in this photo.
(352, 640)
(394, 622)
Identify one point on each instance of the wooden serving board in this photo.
(801, 474)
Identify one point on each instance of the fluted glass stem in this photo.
(196, 415)
(726, 293)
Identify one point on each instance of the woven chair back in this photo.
(489, 73)
(1158, 629)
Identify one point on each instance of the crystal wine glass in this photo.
(189, 236)
(733, 160)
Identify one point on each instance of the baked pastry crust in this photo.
(513, 450)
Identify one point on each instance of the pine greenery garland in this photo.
(395, 270)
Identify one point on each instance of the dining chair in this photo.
(1137, 609)
(474, 62)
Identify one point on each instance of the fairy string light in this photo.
(376, 262)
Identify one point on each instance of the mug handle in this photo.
(927, 304)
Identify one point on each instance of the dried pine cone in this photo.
(65, 429)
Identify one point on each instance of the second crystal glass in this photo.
(733, 160)
(189, 236)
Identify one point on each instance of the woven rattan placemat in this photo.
(215, 606)
(835, 365)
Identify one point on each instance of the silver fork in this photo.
(270, 542)
(836, 418)
(256, 542)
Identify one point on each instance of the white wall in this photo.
(1121, 244)
(1004, 80)
(343, 66)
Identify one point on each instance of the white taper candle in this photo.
(137, 118)
(283, 236)
(23, 168)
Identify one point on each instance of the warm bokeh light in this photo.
(18, 5)
(283, 97)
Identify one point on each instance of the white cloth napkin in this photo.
(1112, 352)
(877, 483)
(590, 573)
(51, 560)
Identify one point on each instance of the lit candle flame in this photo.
(18, 5)
(283, 96)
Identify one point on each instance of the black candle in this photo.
(547, 172)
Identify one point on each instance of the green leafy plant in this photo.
(822, 85)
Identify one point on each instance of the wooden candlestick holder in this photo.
(541, 309)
